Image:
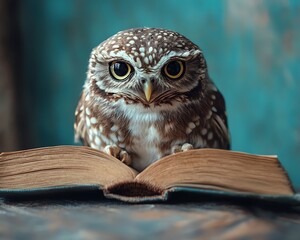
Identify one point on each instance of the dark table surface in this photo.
(94, 219)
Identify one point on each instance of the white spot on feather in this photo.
(114, 128)
(188, 130)
(191, 125)
(146, 60)
(209, 115)
(113, 137)
(93, 145)
(97, 140)
(93, 120)
(87, 121)
(121, 138)
(95, 131)
(185, 54)
(138, 61)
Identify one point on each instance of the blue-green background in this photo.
(252, 49)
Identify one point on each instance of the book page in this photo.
(60, 166)
(222, 169)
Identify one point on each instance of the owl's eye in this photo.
(120, 70)
(174, 69)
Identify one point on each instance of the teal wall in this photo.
(252, 49)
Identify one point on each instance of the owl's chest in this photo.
(145, 143)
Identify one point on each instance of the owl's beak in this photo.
(148, 90)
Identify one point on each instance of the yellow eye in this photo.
(174, 69)
(120, 70)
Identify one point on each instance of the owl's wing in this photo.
(79, 125)
(218, 119)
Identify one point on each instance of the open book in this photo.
(200, 171)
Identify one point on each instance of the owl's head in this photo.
(147, 66)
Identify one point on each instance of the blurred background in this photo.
(252, 49)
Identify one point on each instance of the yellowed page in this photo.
(234, 171)
(59, 166)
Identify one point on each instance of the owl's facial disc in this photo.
(156, 85)
(148, 66)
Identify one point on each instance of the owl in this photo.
(147, 95)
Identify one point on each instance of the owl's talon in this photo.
(176, 148)
(112, 150)
(124, 157)
(118, 153)
(182, 148)
(186, 147)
